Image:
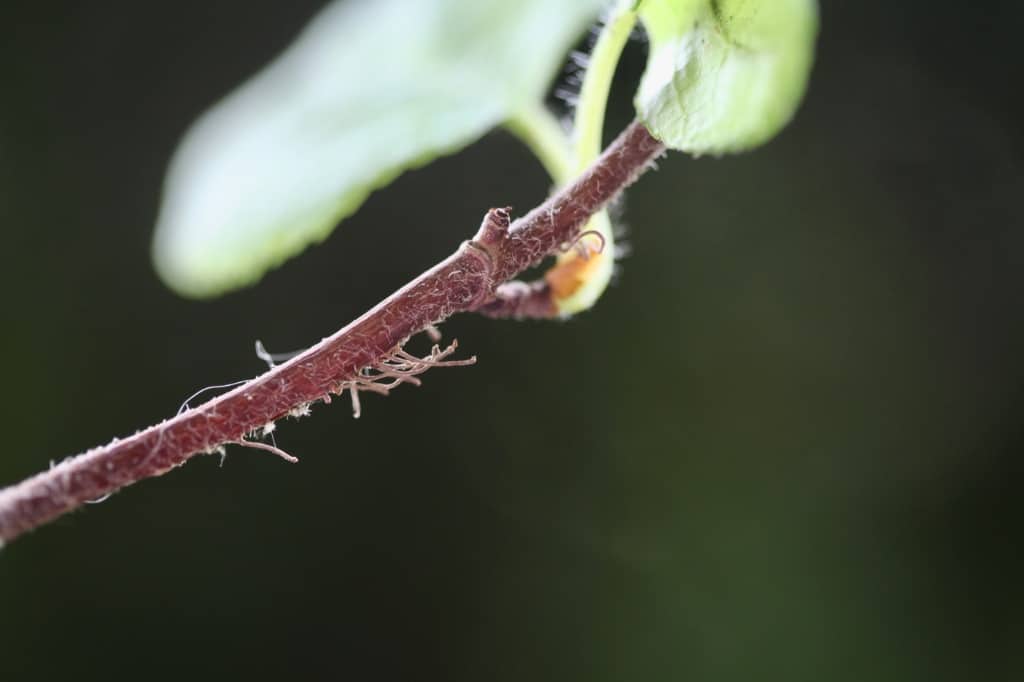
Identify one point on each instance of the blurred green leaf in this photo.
(371, 88)
(724, 75)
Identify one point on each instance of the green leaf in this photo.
(371, 88)
(724, 75)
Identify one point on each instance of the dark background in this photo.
(786, 445)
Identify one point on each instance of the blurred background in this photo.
(786, 445)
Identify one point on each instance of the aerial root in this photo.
(273, 359)
(397, 368)
(267, 447)
(433, 333)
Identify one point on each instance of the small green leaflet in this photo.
(371, 88)
(724, 75)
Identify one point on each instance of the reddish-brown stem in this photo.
(521, 301)
(465, 281)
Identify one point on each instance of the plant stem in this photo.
(541, 131)
(579, 277)
(465, 281)
(597, 83)
(583, 278)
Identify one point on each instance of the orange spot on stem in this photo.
(571, 272)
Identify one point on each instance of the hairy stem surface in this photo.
(580, 276)
(468, 280)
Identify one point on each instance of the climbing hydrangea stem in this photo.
(466, 281)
